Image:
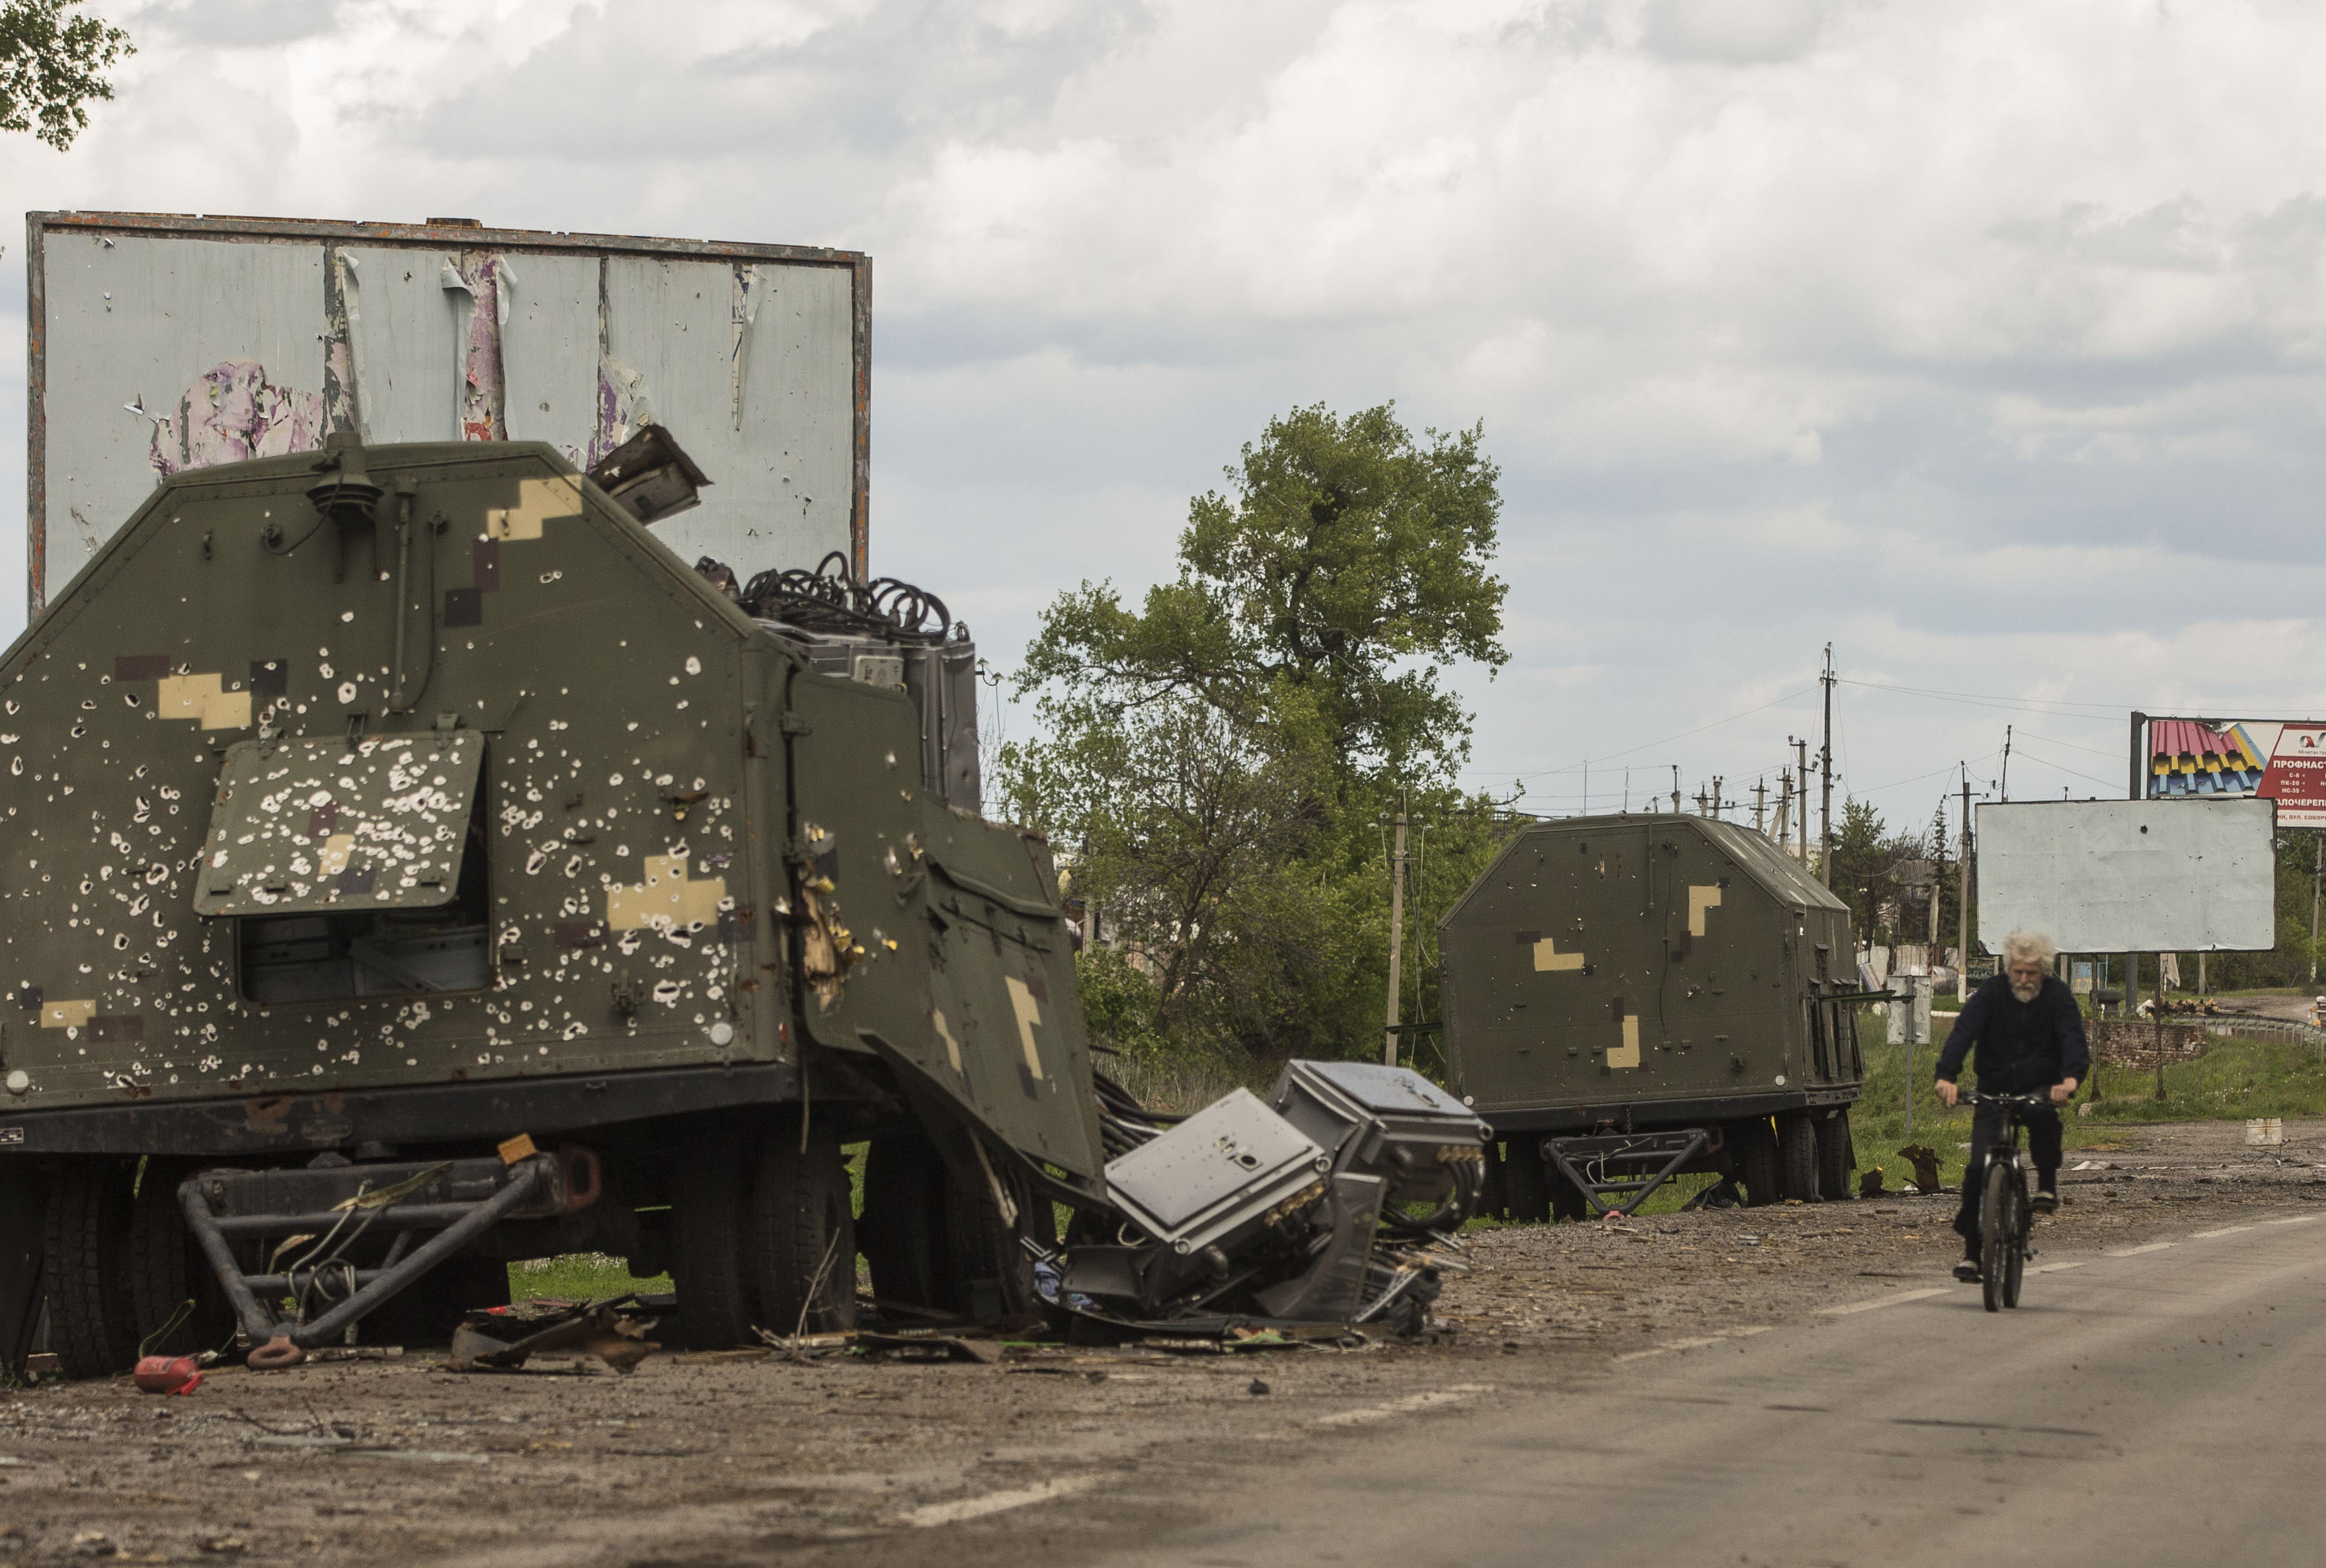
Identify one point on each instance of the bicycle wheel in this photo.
(2014, 1255)
(1994, 1236)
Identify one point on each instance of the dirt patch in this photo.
(744, 1458)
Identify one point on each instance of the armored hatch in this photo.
(1646, 969)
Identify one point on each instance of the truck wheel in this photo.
(902, 1178)
(707, 1201)
(1528, 1180)
(1835, 1160)
(1797, 1154)
(1755, 1149)
(1566, 1199)
(800, 1245)
(935, 1244)
(167, 1271)
(1494, 1202)
(427, 1310)
(87, 1268)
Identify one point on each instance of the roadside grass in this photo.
(2233, 1080)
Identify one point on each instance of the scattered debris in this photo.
(602, 1330)
(1925, 1161)
(1869, 1182)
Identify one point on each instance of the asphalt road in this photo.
(2165, 1404)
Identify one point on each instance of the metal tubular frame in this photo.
(1632, 1150)
(463, 1222)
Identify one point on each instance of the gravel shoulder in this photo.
(703, 1460)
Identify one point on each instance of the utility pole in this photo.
(1703, 804)
(1396, 937)
(1825, 774)
(2005, 784)
(1802, 753)
(1782, 828)
(1716, 797)
(2317, 867)
(1962, 896)
(1675, 789)
(1761, 803)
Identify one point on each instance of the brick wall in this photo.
(2132, 1043)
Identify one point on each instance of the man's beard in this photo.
(2027, 993)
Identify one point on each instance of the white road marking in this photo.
(2136, 1251)
(2224, 1230)
(977, 1508)
(1881, 1301)
(2059, 1267)
(2297, 1219)
(1405, 1406)
(1696, 1344)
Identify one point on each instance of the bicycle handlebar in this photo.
(2038, 1100)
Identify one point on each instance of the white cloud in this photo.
(1982, 339)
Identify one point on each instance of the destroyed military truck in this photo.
(415, 866)
(1629, 998)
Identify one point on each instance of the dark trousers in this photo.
(1986, 1126)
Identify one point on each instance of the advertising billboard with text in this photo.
(2269, 759)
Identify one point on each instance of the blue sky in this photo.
(1983, 342)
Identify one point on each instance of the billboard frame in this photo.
(450, 233)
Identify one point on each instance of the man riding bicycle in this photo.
(2030, 1034)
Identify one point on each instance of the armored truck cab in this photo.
(1651, 991)
(411, 820)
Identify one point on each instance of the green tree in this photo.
(1219, 759)
(52, 64)
(1345, 563)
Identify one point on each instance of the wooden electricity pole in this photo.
(1962, 897)
(1825, 776)
(1802, 772)
(1396, 941)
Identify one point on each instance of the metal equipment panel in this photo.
(319, 823)
(2170, 875)
(183, 352)
(161, 341)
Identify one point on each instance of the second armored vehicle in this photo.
(1632, 998)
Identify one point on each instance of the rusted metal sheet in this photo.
(161, 342)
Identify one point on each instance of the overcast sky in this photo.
(1982, 340)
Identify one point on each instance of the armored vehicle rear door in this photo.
(855, 771)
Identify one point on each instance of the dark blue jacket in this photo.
(2022, 1045)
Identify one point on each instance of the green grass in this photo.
(579, 1276)
(2235, 1080)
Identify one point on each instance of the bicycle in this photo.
(2005, 1215)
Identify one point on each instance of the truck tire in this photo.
(1494, 1202)
(799, 1247)
(1755, 1148)
(86, 1269)
(707, 1199)
(898, 1231)
(167, 1272)
(1836, 1161)
(939, 1247)
(1566, 1199)
(1797, 1156)
(1528, 1180)
(427, 1310)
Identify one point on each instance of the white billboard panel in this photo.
(2179, 875)
(161, 342)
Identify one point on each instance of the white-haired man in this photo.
(2030, 1036)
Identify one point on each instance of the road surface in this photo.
(2163, 1405)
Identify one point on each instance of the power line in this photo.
(1648, 745)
